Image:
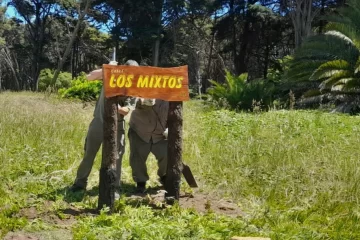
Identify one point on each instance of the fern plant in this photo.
(332, 58)
(241, 94)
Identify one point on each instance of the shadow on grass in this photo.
(128, 193)
(77, 212)
(126, 190)
(67, 195)
(131, 197)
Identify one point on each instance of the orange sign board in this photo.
(170, 84)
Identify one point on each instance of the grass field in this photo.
(294, 174)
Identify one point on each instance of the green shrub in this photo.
(82, 89)
(46, 76)
(280, 66)
(238, 93)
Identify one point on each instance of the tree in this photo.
(333, 58)
(249, 35)
(109, 14)
(109, 148)
(72, 40)
(36, 14)
(174, 166)
(187, 41)
(138, 28)
(12, 48)
(302, 13)
(2, 40)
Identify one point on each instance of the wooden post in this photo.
(109, 155)
(174, 167)
(169, 84)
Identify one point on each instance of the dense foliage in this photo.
(46, 75)
(331, 60)
(240, 94)
(82, 89)
(293, 174)
(212, 37)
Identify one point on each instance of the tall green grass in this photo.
(295, 174)
(40, 144)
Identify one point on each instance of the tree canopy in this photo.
(212, 36)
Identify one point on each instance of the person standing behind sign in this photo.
(148, 133)
(94, 136)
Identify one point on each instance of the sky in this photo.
(10, 11)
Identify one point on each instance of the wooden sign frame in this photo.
(170, 84)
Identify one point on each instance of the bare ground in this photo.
(62, 224)
(198, 201)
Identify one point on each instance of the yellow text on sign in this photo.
(146, 81)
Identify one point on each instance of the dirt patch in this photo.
(19, 236)
(63, 219)
(58, 219)
(204, 203)
(198, 201)
(29, 213)
(57, 234)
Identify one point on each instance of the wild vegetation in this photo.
(332, 59)
(219, 40)
(256, 68)
(293, 174)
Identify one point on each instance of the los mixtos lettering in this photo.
(145, 81)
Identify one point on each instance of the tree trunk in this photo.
(109, 154)
(233, 31)
(197, 71)
(205, 83)
(266, 61)
(158, 35)
(117, 33)
(73, 60)
(11, 64)
(70, 44)
(37, 46)
(174, 166)
(77, 64)
(240, 60)
(1, 76)
(36, 24)
(302, 15)
(322, 13)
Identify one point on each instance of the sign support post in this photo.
(169, 84)
(109, 155)
(174, 166)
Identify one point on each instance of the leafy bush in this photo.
(82, 89)
(46, 76)
(281, 65)
(240, 94)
